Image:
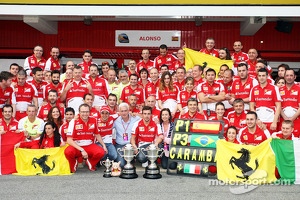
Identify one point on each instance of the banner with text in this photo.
(138, 38)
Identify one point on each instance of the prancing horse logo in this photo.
(42, 163)
(241, 163)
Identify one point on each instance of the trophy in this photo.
(107, 163)
(128, 171)
(152, 170)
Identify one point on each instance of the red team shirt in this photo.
(197, 116)
(139, 92)
(239, 58)
(44, 110)
(176, 64)
(147, 65)
(63, 130)
(167, 60)
(252, 139)
(105, 129)
(212, 52)
(180, 85)
(237, 121)
(32, 62)
(5, 96)
(146, 133)
(51, 86)
(85, 67)
(151, 88)
(167, 94)
(100, 87)
(77, 90)
(184, 96)
(52, 64)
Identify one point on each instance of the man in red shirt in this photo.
(53, 62)
(99, 85)
(238, 56)
(14, 68)
(38, 83)
(74, 91)
(210, 44)
(35, 60)
(80, 137)
(151, 87)
(24, 95)
(237, 117)
(133, 109)
(242, 85)
(210, 93)
(227, 83)
(286, 132)
(197, 75)
(5, 88)
(252, 134)
(144, 133)
(133, 88)
(146, 62)
(290, 105)
(266, 101)
(54, 85)
(88, 99)
(180, 62)
(87, 61)
(52, 101)
(164, 57)
(63, 130)
(180, 74)
(132, 68)
(192, 112)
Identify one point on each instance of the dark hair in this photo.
(232, 127)
(54, 91)
(220, 104)
(88, 51)
(162, 85)
(36, 69)
(192, 99)
(243, 64)
(70, 109)
(112, 95)
(87, 94)
(189, 79)
(228, 57)
(164, 65)
(252, 113)
(56, 135)
(211, 70)
(231, 72)
(160, 115)
(263, 70)
(264, 62)
(278, 79)
(14, 64)
(181, 68)
(50, 118)
(7, 106)
(163, 46)
(285, 66)
(94, 65)
(290, 70)
(137, 77)
(5, 75)
(144, 70)
(147, 108)
(55, 72)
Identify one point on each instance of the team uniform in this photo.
(146, 65)
(85, 67)
(151, 88)
(5, 97)
(264, 99)
(242, 91)
(22, 97)
(180, 85)
(212, 52)
(74, 97)
(32, 62)
(33, 128)
(238, 121)
(44, 110)
(168, 98)
(52, 64)
(51, 86)
(40, 90)
(166, 60)
(183, 97)
(290, 105)
(63, 130)
(227, 89)
(245, 137)
(210, 89)
(235, 141)
(281, 136)
(239, 57)
(175, 65)
(139, 92)
(83, 133)
(48, 142)
(100, 90)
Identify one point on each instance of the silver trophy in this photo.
(107, 163)
(128, 171)
(152, 170)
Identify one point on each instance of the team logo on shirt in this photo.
(256, 92)
(101, 124)
(237, 87)
(91, 126)
(168, 59)
(79, 126)
(231, 120)
(141, 128)
(138, 92)
(159, 61)
(205, 88)
(45, 112)
(258, 138)
(282, 93)
(247, 86)
(6, 93)
(245, 137)
(98, 84)
(126, 91)
(1, 128)
(27, 90)
(151, 129)
(268, 92)
(294, 92)
(12, 127)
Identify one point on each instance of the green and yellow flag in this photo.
(45, 162)
(195, 57)
(245, 163)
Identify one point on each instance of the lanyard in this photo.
(125, 129)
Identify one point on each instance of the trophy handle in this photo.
(118, 150)
(142, 150)
(162, 151)
(137, 152)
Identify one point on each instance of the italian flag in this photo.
(287, 153)
(192, 169)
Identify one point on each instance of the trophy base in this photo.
(107, 175)
(152, 173)
(128, 173)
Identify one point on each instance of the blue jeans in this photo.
(119, 158)
(112, 153)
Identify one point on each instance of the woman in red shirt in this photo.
(50, 136)
(54, 115)
(231, 135)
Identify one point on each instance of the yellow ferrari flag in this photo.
(195, 57)
(245, 163)
(46, 162)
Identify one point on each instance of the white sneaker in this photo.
(145, 164)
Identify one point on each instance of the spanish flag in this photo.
(245, 163)
(195, 57)
(45, 162)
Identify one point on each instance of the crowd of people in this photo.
(96, 109)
